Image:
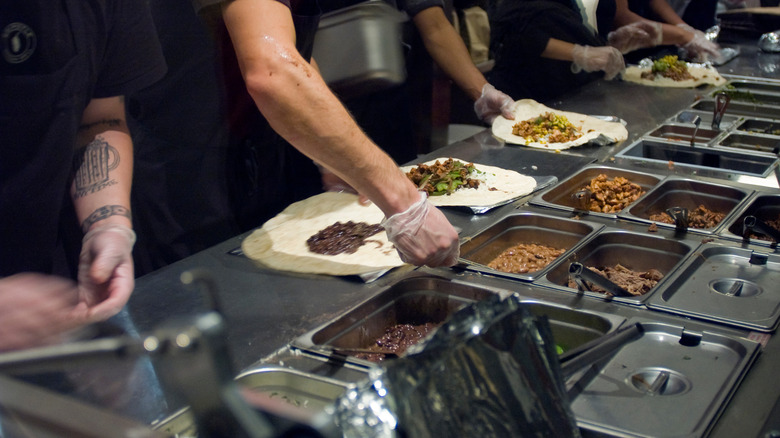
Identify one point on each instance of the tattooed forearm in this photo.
(110, 123)
(92, 167)
(103, 213)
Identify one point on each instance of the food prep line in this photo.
(268, 313)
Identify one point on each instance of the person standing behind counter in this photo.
(296, 102)
(63, 70)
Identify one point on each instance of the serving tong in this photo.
(751, 223)
(680, 217)
(582, 275)
(722, 100)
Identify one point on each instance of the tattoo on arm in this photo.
(103, 213)
(111, 123)
(92, 167)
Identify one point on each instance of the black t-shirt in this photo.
(55, 58)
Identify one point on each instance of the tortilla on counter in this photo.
(497, 185)
(281, 242)
(591, 127)
(701, 75)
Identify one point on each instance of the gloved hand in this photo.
(38, 309)
(493, 103)
(699, 48)
(605, 58)
(637, 35)
(333, 183)
(105, 276)
(422, 235)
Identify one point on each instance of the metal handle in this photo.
(696, 123)
(580, 274)
(721, 103)
(751, 223)
(680, 217)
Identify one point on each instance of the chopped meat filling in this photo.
(669, 67)
(525, 257)
(443, 178)
(635, 282)
(700, 218)
(342, 238)
(611, 195)
(397, 339)
(547, 128)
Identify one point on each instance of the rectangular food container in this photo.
(670, 382)
(737, 108)
(761, 143)
(728, 285)
(433, 299)
(687, 117)
(759, 126)
(688, 194)
(762, 206)
(359, 48)
(525, 227)
(564, 195)
(705, 161)
(683, 134)
(633, 250)
(307, 392)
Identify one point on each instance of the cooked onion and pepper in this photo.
(547, 128)
(443, 178)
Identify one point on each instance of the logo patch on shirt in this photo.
(19, 42)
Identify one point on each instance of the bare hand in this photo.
(38, 309)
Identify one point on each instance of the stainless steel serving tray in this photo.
(560, 196)
(703, 161)
(763, 143)
(636, 251)
(738, 108)
(725, 284)
(687, 193)
(668, 383)
(687, 116)
(683, 133)
(296, 388)
(434, 299)
(759, 126)
(524, 227)
(763, 206)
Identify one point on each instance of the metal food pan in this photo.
(309, 393)
(688, 116)
(755, 87)
(365, 323)
(770, 127)
(680, 133)
(751, 142)
(635, 251)
(725, 284)
(688, 194)
(561, 196)
(740, 109)
(416, 300)
(670, 382)
(711, 161)
(526, 227)
(763, 206)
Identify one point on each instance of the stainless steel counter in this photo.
(266, 309)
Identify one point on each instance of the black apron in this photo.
(39, 117)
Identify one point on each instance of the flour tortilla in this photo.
(508, 185)
(701, 76)
(281, 242)
(591, 127)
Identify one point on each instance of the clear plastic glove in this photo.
(637, 35)
(699, 48)
(493, 103)
(333, 183)
(37, 310)
(106, 274)
(605, 58)
(422, 235)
